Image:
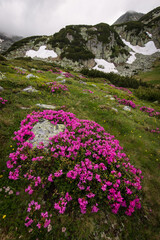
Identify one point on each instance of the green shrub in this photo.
(2, 58)
(20, 43)
(41, 39)
(120, 81)
(149, 94)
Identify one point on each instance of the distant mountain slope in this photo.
(142, 31)
(7, 41)
(129, 16)
(127, 47)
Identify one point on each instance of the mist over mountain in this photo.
(7, 40)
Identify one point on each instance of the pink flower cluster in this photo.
(39, 71)
(152, 112)
(81, 76)
(3, 101)
(87, 90)
(121, 88)
(83, 168)
(126, 102)
(43, 216)
(56, 87)
(61, 205)
(66, 74)
(20, 71)
(157, 130)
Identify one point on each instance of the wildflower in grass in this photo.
(49, 228)
(152, 112)
(10, 192)
(157, 130)
(63, 229)
(87, 90)
(2, 101)
(4, 216)
(121, 88)
(95, 208)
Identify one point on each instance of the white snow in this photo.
(132, 58)
(1, 40)
(149, 34)
(148, 49)
(108, 67)
(41, 53)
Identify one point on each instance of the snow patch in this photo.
(41, 53)
(149, 34)
(148, 49)
(1, 40)
(132, 58)
(108, 67)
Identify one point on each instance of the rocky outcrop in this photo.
(142, 62)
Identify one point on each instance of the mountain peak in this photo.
(128, 16)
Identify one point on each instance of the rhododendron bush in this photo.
(57, 87)
(82, 170)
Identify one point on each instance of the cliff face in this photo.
(79, 44)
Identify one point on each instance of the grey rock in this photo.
(63, 81)
(2, 76)
(101, 66)
(59, 77)
(30, 89)
(114, 109)
(108, 96)
(43, 130)
(1, 89)
(31, 76)
(24, 108)
(70, 37)
(127, 108)
(45, 106)
(82, 82)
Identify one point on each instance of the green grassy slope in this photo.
(152, 76)
(132, 129)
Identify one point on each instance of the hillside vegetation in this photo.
(91, 96)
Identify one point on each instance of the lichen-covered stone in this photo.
(43, 130)
(30, 89)
(45, 106)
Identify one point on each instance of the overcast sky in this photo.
(45, 17)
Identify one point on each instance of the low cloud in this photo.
(45, 17)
